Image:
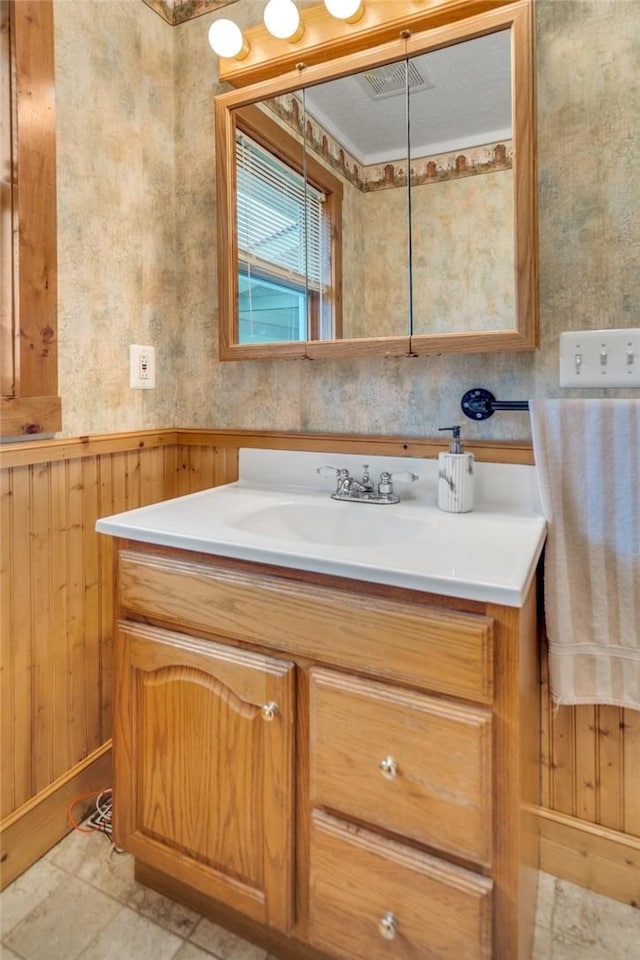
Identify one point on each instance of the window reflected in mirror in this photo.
(288, 212)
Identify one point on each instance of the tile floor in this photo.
(80, 902)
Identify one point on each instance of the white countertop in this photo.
(489, 554)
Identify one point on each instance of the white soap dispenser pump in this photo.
(455, 476)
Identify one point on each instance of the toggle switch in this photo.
(600, 358)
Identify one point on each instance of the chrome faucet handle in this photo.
(366, 479)
(405, 476)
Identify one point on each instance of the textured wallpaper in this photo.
(116, 212)
(137, 245)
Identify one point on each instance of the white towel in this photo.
(587, 454)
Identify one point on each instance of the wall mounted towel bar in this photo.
(479, 404)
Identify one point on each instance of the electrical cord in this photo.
(100, 820)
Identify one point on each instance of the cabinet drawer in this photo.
(404, 761)
(363, 886)
(438, 649)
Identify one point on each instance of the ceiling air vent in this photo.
(390, 80)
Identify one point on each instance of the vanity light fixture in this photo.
(227, 40)
(282, 20)
(348, 10)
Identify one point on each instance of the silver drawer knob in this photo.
(388, 926)
(269, 710)
(388, 767)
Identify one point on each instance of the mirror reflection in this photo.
(462, 189)
(328, 218)
(273, 275)
(385, 206)
(355, 126)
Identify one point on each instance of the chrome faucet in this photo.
(363, 490)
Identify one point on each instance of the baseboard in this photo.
(605, 861)
(36, 826)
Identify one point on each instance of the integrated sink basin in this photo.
(280, 513)
(330, 523)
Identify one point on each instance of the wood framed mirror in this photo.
(381, 202)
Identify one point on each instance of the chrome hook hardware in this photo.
(388, 926)
(388, 768)
(269, 711)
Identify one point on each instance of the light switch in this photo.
(600, 358)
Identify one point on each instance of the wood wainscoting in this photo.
(56, 635)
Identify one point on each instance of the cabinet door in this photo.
(203, 751)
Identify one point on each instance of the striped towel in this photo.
(588, 459)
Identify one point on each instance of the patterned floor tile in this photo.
(63, 923)
(130, 935)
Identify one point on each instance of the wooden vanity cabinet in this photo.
(332, 769)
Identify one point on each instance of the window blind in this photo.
(277, 212)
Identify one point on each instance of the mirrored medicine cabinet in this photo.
(383, 202)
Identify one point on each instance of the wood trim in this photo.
(27, 416)
(326, 38)
(331, 51)
(380, 446)
(8, 212)
(40, 823)
(35, 406)
(70, 448)
(605, 861)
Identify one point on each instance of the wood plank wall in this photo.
(57, 609)
(56, 630)
(591, 762)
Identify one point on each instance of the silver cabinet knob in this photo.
(269, 711)
(388, 926)
(388, 767)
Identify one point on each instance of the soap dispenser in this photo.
(455, 476)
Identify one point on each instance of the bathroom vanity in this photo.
(327, 742)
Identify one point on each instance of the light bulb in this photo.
(282, 20)
(349, 10)
(226, 39)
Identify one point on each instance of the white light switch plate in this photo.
(600, 358)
